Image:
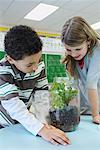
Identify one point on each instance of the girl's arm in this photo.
(93, 78)
(94, 102)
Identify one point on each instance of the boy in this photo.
(22, 75)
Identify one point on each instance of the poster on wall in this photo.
(52, 45)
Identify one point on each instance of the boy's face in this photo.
(28, 64)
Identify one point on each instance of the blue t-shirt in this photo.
(89, 75)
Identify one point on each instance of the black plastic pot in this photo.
(66, 119)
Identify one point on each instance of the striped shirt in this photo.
(16, 88)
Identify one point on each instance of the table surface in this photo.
(86, 137)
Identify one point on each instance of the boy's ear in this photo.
(11, 61)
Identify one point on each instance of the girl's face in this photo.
(77, 52)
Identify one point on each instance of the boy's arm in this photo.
(18, 111)
(94, 102)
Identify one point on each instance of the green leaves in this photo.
(62, 92)
(70, 94)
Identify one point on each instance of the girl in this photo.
(83, 61)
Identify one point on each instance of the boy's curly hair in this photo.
(21, 41)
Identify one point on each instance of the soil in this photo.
(66, 119)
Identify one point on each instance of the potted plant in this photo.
(64, 111)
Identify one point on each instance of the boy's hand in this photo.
(96, 119)
(53, 135)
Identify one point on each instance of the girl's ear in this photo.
(10, 60)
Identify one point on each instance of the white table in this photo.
(86, 137)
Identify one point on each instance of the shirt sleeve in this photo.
(94, 70)
(18, 111)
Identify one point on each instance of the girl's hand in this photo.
(96, 119)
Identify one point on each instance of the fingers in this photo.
(96, 119)
(58, 141)
(54, 135)
(96, 122)
(54, 142)
(62, 136)
(66, 139)
(61, 139)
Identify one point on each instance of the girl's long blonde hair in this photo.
(74, 32)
